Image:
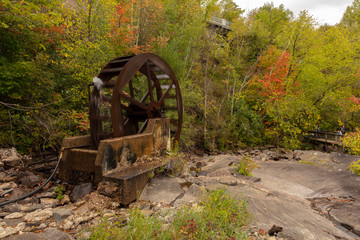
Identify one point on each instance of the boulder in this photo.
(60, 214)
(31, 180)
(80, 191)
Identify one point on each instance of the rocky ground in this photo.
(292, 195)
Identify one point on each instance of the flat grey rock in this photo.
(220, 161)
(219, 173)
(347, 214)
(80, 191)
(60, 214)
(163, 189)
(323, 181)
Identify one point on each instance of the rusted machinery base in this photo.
(114, 165)
(126, 185)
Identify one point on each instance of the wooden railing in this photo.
(220, 22)
(324, 136)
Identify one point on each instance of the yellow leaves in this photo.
(3, 25)
(41, 46)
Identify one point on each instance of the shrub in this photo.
(246, 166)
(354, 167)
(351, 141)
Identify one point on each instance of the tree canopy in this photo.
(268, 80)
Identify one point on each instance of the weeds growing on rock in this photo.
(216, 216)
(59, 190)
(307, 162)
(246, 166)
(354, 167)
(219, 216)
(105, 230)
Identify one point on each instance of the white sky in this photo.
(324, 11)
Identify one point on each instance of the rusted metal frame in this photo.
(164, 66)
(130, 67)
(129, 70)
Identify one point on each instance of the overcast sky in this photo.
(324, 11)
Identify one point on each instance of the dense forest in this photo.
(268, 80)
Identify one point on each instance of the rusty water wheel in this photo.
(145, 88)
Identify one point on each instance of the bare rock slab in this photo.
(291, 213)
(220, 161)
(347, 214)
(163, 189)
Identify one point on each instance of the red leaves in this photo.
(354, 99)
(120, 9)
(273, 73)
(130, 36)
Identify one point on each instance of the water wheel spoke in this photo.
(161, 101)
(145, 97)
(139, 113)
(149, 80)
(126, 108)
(133, 101)
(131, 88)
(156, 82)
